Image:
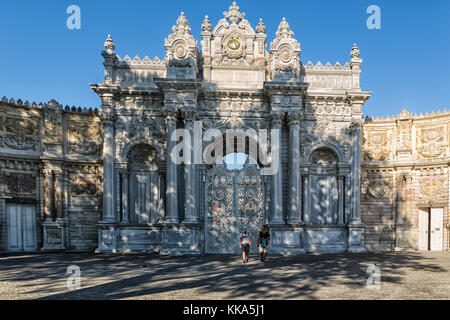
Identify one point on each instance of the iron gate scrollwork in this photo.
(234, 201)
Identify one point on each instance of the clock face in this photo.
(233, 44)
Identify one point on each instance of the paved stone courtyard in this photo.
(406, 275)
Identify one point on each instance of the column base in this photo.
(190, 221)
(356, 237)
(181, 240)
(107, 234)
(277, 223)
(403, 237)
(55, 235)
(172, 221)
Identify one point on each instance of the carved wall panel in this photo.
(84, 138)
(377, 145)
(431, 187)
(431, 142)
(85, 185)
(19, 133)
(18, 184)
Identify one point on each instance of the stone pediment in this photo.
(233, 53)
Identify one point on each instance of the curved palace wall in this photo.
(405, 169)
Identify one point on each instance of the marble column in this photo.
(190, 215)
(47, 173)
(356, 227)
(171, 171)
(294, 209)
(341, 200)
(109, 215)
(306, 211)
(277, 177)
(59, 194)
(124, 179)
(356, 175)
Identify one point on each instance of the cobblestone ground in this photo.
(406, 275)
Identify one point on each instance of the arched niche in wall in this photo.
(323, 193)
(146, 185)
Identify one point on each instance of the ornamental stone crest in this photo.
(431, 142)
(432, 187)
(377, 146)
(181, 51)
(233, 14)
(284, 54)
(20, 134)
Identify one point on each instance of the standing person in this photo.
(245, 242)
(263, 242)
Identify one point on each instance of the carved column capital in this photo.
(123, 172)
(108, 116)
(189, 115)
(171, 116)
(293, 118)
(276, 120)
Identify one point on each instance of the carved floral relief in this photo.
(432, 186)
(378, 146)
(19, 133)
(84, 138)
(431, 142)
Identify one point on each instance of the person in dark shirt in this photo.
(263, 242)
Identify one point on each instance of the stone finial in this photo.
(404, 114)
(261, 28)
(109, 44)
(233, 14)
(206, 26)
(355, 51)
(284, 30)
(182, 25)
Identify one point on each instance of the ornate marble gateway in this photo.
(311, 202)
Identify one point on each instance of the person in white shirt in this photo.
(245, 242)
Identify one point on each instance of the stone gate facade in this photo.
(77, 179)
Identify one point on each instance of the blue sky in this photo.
(406, 63)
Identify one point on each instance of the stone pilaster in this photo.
(190, 170)
(55, 227)
(124, 181)
(277, 178)
(171, 171)
(356, 227)
(341, 200)
(294, 209)
(107, 241)
(108, 118)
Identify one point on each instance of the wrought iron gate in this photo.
(234, 200)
